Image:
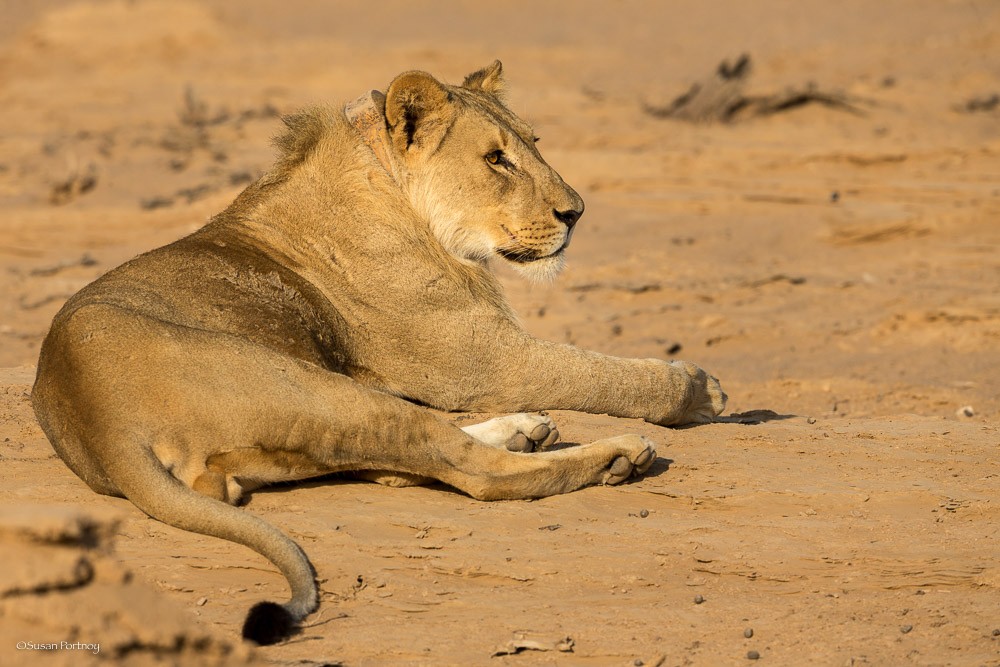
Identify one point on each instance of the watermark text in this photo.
(58, 646)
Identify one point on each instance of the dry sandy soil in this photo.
(838, 269)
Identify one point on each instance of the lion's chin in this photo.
(542, 270)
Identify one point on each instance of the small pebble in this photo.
(834, 196)
(811, 420)
(753, 655)
(966, 411)
(643, 513)
(638, 662)
(201, 602)
(996, 632)
(748, 633)
(698, 599)
(906, 628)
(156, 202)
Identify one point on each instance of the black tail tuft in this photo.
(268, 623)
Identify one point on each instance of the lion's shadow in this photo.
(751, 417)
(659, 466)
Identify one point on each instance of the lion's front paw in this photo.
(637, 455)
(707, 399)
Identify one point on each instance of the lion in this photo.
(307, 328)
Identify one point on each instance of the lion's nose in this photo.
(568, 218)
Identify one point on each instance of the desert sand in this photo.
(837, 266)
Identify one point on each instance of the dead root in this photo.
(720, 98)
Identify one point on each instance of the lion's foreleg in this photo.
(539, 375)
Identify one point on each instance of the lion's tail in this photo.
(142, 479)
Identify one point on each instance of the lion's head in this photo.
(471, 169)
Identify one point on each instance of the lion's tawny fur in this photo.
(298, 333)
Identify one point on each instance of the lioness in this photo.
(296, 333)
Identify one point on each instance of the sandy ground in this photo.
(838, 271)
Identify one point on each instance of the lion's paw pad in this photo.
(519, 442)
(645, 459)
(635, 462)
(522, 432)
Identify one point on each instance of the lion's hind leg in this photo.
(232, 474)
(512, 475)
(521, 432)
(214, 485)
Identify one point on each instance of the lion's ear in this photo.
(418, 111)
(489, 79)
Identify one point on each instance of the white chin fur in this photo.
(446, 224)
(541, 270)
(473, 245)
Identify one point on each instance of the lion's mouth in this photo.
(526, 255)
(520, 256)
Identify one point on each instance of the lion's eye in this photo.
(496, 157)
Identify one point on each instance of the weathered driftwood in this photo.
(719, 98)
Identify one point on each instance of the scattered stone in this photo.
(240, 178)
(905, 629)
(811, 420)
(155, 203)
(996, 632)
(674, 349)
(84, 260)
(643, 513)
(748, 633)
(631, 288)
(982, 103)
(197, 192)
(201, 602)
(753, 655)
(965, 411)
(195, 112)
(953, 505)
(79, 182)
(776, 278)
(834, 197)
(698, 599)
